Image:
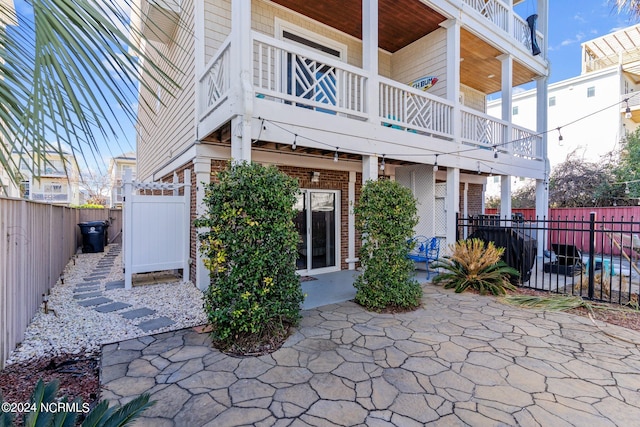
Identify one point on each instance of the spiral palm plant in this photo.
(475, 265)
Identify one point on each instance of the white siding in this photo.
(217, 18)
(424, 57)
(164, 131)
(592, 137)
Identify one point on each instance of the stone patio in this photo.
(461, 359)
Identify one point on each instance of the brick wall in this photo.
(192, 214)
(474, 199)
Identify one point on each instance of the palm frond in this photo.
(70, 68)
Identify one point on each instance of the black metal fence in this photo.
(594, 258)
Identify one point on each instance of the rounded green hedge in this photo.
(250, 250)
(386, 215)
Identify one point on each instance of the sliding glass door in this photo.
(318, 229)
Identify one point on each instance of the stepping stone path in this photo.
(138, 312)
(114, 306)
(90, 293)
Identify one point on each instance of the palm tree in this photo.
(67, 68)
(630, 7)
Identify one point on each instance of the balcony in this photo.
(290, 75)
(50, 197)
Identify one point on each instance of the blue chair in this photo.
(425, 249)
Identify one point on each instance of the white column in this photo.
(241, 71)
(369, 168)
(240, 139)
(453, 72)
(370, 56)
(351, 226)
(542, 107)
(506, 94)
(542, 205)
(127, 230)
(452, 203)
(199, 49)
(202, 170)
(543, 26)
(505, 197)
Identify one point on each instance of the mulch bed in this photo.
(78, 377)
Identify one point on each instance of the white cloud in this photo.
(579, 18)
(576, 39)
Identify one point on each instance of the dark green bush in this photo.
(386, 215)
(250, 247)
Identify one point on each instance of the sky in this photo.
(572, 23)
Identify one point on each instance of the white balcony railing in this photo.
(216, 81)
(482, 130)
(525, 143)
(295, 75)
(291, 75)
(497, 12)
(402, 106)
(522, 33)
(50, 197)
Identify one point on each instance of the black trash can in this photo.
(93, 236)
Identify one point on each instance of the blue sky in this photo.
(572, 23)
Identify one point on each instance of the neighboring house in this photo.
(118, 168)
(589, 111)
(7, 186)
(322, 89)
(54, 180)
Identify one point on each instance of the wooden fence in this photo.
(114, 216)
(618, 213)
(37, 240)
(616, 224)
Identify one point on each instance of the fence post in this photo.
(457, 226)
(127, 207)
(592, 250)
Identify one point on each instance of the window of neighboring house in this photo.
(496, 179)
(514, 110)
(53, 188)
(24, 188)
(591, 92)
(124, 169)
(552, 101)
(54, 167)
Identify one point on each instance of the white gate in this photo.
(156, 227)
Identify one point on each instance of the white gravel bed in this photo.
(82, 330)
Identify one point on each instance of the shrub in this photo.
(46, 395)
(89, 206)
(472, 265)
(250, 251)
(386, 215)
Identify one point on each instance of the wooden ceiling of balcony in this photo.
(401, 22)
(482, 70)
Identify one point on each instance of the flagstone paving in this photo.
(459, 360)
